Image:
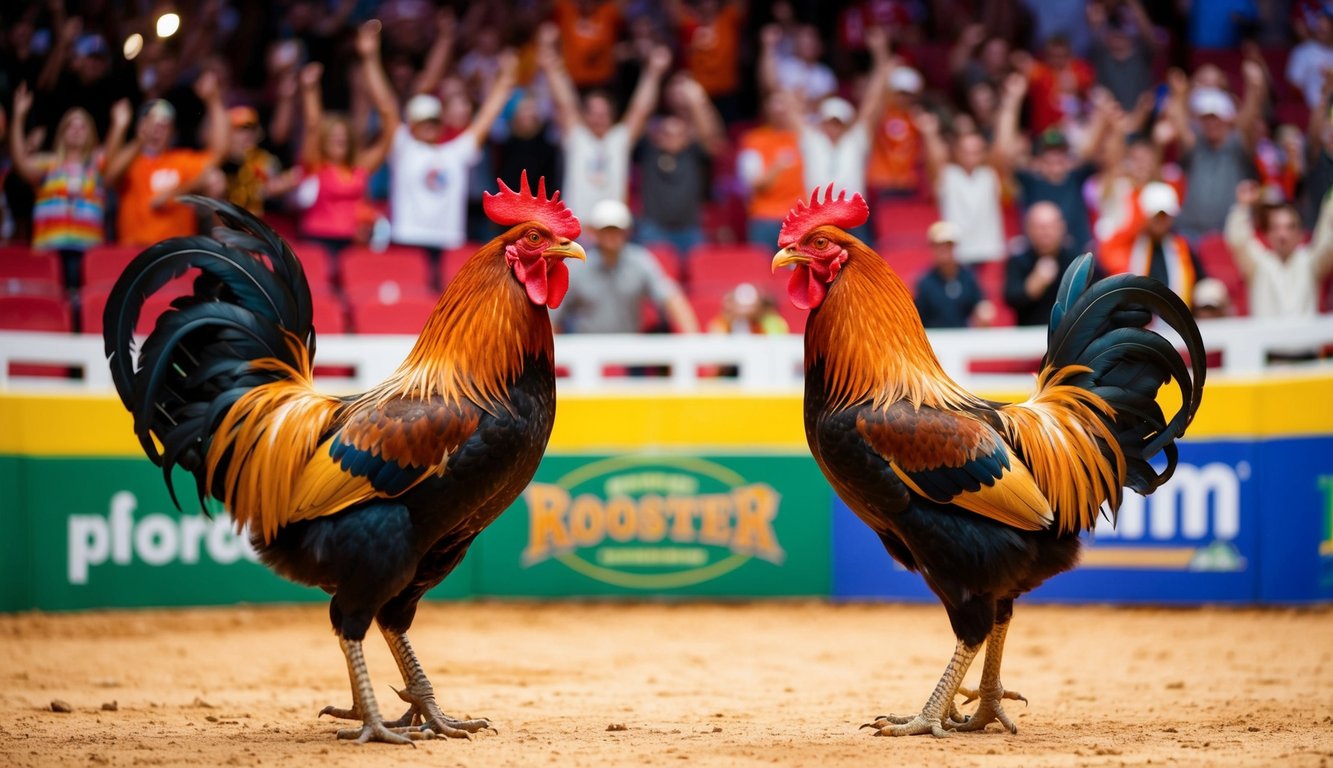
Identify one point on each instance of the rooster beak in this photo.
(566, 249)
(788, 256)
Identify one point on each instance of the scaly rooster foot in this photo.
(425, 715)
(378, 731)
(989, 710)
(896, 725)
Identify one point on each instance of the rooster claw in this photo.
(340, 713)
(378, 732)
(908, 726)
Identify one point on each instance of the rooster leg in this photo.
(364, 707)
(420, 694)
(990, 692)
(931, 718)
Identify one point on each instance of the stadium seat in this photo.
(23, 263)
(406, 316)
(18, 286)
(667, 258)
(104, 263)
(903, 223)
(385, 276)
(453, 259)
(329, 316)
(1218, 263)
(93, 303)
(910, 263)
(34, 313)
(725, 266)
(316, 262)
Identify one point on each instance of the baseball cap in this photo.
(423, 106)
(1212, 101)
(942, 232)
(242, 115)
(836, 108)
(905, 80)
(1210, 292)
(158, 109)
(1051, 138)
(90, 45)
(1158, 197)
(610, 214)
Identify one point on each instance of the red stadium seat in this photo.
(903, 223)
(18, 286)
(93, 304)
(453, 259)
(725, 266)
(34, 313)
(667, 258)
(104, 263)
(329, 315)
(1218, 263)
(407, 316)
(387, 276)
(909, 263)
(23, 263)
(316, 262)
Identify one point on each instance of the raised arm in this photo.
(495, 100)
(312, 112)
(644, 100)
(68, 30)
(437, 59)
(1097, 142)
(871, 107)
(1006, 124)
(707, 122)
(964, 50)
(1250, 114)
(219, 128)
(567, 114)
(1174, 125)
(1322, 243)
(769, 37)
(937, 152)
(381, 95)
(121, 115)
(29, 166)
(1239, 229)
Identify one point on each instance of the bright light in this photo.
(167, 24)
(133, 46)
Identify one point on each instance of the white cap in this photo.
(1158, 197)
(1211, 292)
(835, 108)
(942, 232)
(610, 213)
(905, 80)
(423, 106)
(1212, 101)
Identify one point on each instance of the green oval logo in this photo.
(651, 523)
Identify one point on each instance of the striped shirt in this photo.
(71, 206)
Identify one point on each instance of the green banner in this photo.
(648, 525)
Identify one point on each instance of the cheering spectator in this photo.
(588, 32)
(336, 164)
(1219, 155)
(674, 166)
(710, 43)
(769, 164)
(895, 152)
(1056, 173)
(802, 73)
(948, 294)
(1284, 275)
(71, 182)
(596, 148)
(967, 189)
(1312, 58)
(745, 311)
(1122, 49)
(1146, 245)
(606, 295)
(1057, 85)
(253, 175)
(155, 173)
(528, 147)
(979, 57)
(429, 193)
(1032, 276)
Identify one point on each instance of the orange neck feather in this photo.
(869, 336)
(474, 343)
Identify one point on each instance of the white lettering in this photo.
(123, 505)
(155, 540)
(89, 544)
(1181, 507)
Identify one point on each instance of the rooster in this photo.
(375, 498)
(985, 500)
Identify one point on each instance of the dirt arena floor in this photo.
(692, 685)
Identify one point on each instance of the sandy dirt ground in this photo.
(692, 684)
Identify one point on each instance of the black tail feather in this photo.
(249, 300)
(1101, 325)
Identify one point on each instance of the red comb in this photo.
(840, 212)
(509, 208)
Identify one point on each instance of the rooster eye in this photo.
(821, 243)
(534, 238)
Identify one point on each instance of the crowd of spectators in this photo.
(994, 139)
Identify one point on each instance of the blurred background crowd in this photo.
(994, 140)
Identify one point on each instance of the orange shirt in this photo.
(1053, 94)
(138, 223)
(712, 50)
(895, 154)
(588, 42)
(775, 146)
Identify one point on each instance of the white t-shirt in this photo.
(972, 202)
(428, 189)
(843, 163)
(595, 169)
(1281, 288)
